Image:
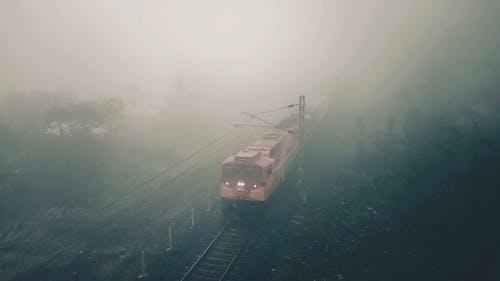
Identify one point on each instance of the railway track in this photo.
(216, 261)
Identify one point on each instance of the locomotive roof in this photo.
(266, 143)
(260, 161)
(247, 154)
(257, 153)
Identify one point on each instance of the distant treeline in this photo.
(56, 151)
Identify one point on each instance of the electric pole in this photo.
(302, 111)
(300, 171)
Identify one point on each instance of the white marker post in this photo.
(170, 247)
(143, 266)
(192, 218)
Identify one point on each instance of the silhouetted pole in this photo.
(476, 129)
(360, 148)
(300, 171)
(209, 200)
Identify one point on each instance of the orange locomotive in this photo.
(255, 172)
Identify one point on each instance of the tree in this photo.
(51, 153)
(83, 117)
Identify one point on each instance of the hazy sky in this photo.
(118, 47)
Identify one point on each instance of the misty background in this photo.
(142, 83)
(98, 97)
(175, 51)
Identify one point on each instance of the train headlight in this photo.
(255, 186)
(241, 183)
(227, 183)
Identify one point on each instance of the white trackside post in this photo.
(143, 266)
(170, 247)
(192, 218)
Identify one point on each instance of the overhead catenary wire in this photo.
(276, 109)
(193, 166)
(160, 188)
(269, 123)
(237, 125)
(152, 178)
(72, 242)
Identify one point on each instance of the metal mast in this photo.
(300, 171)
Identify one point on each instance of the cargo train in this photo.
(255, 172)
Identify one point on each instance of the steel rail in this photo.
(193, 266)
(220, 274)
(230, 265)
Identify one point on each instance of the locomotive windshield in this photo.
(254, 173)
(231, 172)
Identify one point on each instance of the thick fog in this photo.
(232, 51)
(118, 118)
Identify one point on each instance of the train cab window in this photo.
(231, 172)
(269, 171)
(253, 173)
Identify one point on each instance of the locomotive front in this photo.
(246, 176)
